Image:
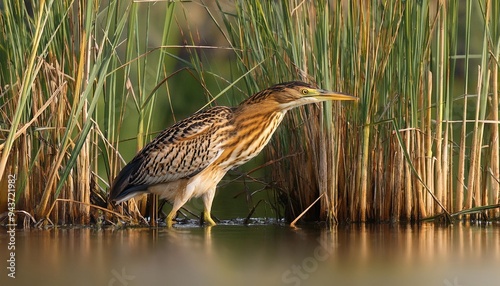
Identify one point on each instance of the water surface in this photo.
(259, 254)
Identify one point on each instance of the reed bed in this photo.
(418, 145)
(82, 83)
(74, 83)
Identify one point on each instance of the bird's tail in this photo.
(122, 188)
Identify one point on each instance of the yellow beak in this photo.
(331, 95)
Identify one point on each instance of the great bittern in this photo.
(190, 158)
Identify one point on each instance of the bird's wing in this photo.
(180, 151)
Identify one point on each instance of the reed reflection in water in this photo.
(258, 255)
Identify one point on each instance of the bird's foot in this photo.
(170, 221)
(208, 219)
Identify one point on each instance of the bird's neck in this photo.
(258, 109)
(253, 130)
(258, 118)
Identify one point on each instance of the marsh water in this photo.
(262, 253)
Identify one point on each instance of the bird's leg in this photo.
(178, 203)
(207, 201)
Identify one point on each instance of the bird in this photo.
(189, 158)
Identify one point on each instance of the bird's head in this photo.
(292, 94)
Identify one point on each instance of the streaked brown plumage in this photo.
(191, 157)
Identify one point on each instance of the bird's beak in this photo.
(322, 94)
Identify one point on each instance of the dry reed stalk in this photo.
(447, 47)
(440, 102)
(387, 175)
(461, 183)
(330, 207)
(494, 176)
(69, 214)
(389, 180)
(408, 189)
(382, 200)
(474, 174)
(324, 168)
(459, 191)
(333, 147)
(337, 140)
(446, 200)
(364, 45)
(450, 176)
(428, 148)
(24, 152)
(292, 224)
(398, 189)
(82, 188)
(360, 214)
(419, 208)
(340, 196)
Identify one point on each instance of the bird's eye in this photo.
(304, 91)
